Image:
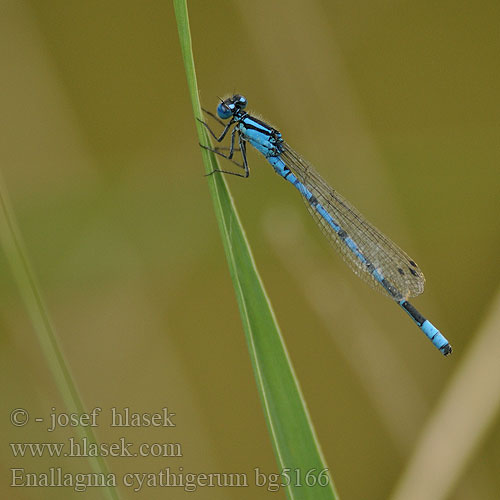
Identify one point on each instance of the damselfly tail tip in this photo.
(446, 350)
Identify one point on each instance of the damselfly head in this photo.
(231, 105)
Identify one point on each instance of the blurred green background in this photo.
(398, 106)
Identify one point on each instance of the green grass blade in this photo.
(293, 437)
(29, 289)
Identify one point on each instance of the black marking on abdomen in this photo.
(419, 319)
(288, 172)
(342, 234)
(313, 201)
(391, 289)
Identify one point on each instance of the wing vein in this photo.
(392, 262)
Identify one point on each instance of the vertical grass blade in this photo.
(293, 437)
(29, 290)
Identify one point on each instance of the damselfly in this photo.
(370, 254)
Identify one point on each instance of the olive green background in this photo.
(396, 104)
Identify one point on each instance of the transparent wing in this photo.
(394, 264)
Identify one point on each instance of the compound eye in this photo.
(224, 111)
(240, 100)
